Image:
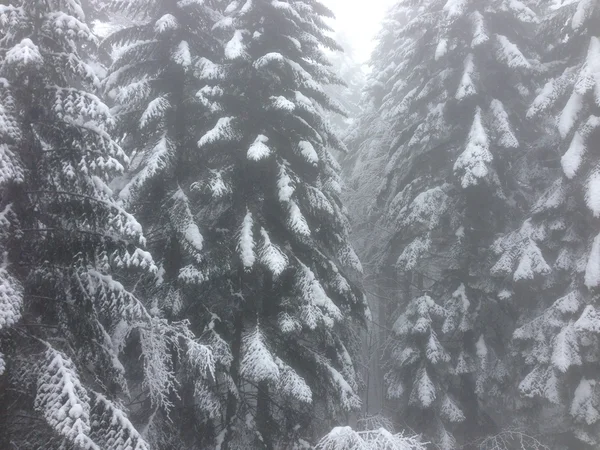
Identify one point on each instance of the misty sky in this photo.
(360, 21)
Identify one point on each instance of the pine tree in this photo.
(451, 93)
(553, 257)
(276, 257)
(64, 317)
(163, 82)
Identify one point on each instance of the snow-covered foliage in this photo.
(276, 248)
(79, 250)
(441, 158)
(220, 107)
(343, 438)
(555, 253)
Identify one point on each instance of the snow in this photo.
(348, 398)
(271, 256)
(200, 357)
(473, 161)
(303, 99)
(451, 411)
(531, 262)
(566, 349)
(268, 59)
(589, 320)
(208, 70)
(434, 351)
(553, 198)
(259, 149)
(502, 125)
(222, 131)
(522, 11)
(426, 209)
(592, 194)
(424, 391)
(345, 438)
(11, 296)
(570, 303)
(455, 8)
(441, 49)
(481, 348)
(156, 109)
(246, 242)
(582, 406)
(284, 185)
(61, 398)
(167, 22)
(585, 8)
(25, 53)
(158, 159)
(10, 169)
(461, 294)
(412, 253)
(69, 26)
(510, 54)
(466, 88)
(573, 157)
(282, 103)
(193, 236)
(480, 35)
(248, 4)
(257, 363)
(308, 151)
(592, 269)
(292, 384)
(127, 437)
(314, 294)
(235, 47)
(296, 220)
(76, 411)
(182, 55)
(570, 114)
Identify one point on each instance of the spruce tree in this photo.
(276, 258)
(553, 259)
(162, 81)
(72, 255)
(452, 93)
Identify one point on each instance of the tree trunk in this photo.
(263, 415)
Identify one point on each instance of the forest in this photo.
(220, 230)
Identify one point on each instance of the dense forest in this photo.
(220, 231)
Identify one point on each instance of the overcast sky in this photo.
(360, 21)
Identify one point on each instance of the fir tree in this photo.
(276, 254)
(64, 317)
(553, 257)
(451, 93)
(162, 80)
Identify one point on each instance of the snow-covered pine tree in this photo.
(276, 256)
(452, 94)
(163, 82)
(555, 255)
(64, 317)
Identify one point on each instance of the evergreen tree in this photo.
(451, 94)
(162, 80)
(276, 258)
(72, 256)
(554, 257)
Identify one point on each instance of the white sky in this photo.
(360, 21)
